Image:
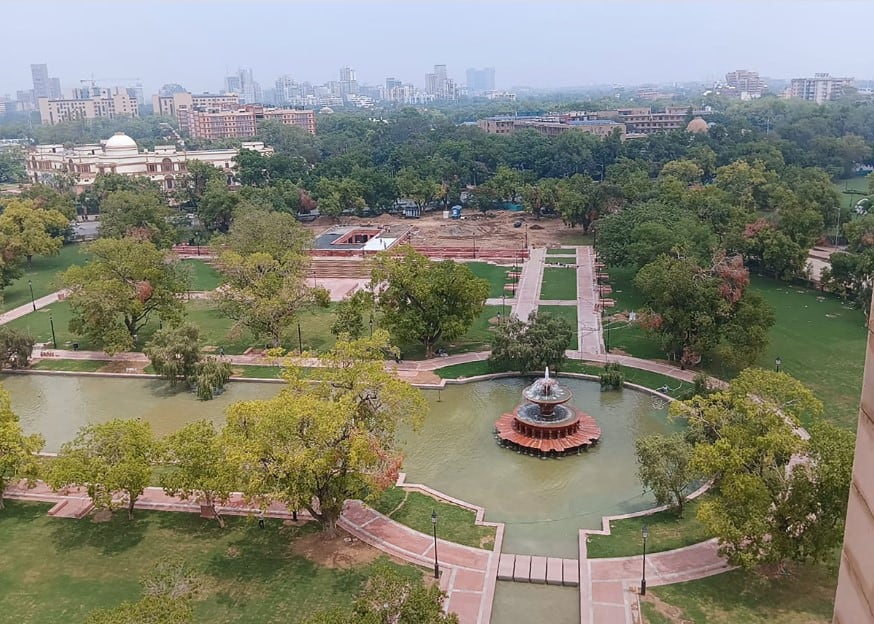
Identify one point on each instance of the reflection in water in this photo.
(543, 501)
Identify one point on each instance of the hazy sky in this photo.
(540, 44)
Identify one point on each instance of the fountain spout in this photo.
(546, 374)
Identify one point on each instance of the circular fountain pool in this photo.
(543, 501)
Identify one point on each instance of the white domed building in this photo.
(120, 154)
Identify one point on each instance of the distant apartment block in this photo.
(110, 104)
(480, 80)
(169, 105)
(643, 121)
(241, 122)
(745, 81)
(550, 125)
(821, 88)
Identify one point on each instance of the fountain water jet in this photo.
(545, 426)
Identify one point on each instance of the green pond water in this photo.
(544, 502)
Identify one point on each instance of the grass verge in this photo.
(58, 570)
(203, 275)
(666, 532)
(804, 595)
(82, 366)
(454, 523)
(43, 275)
(494, 274)
(559, 284)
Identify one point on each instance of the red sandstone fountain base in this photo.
(569, 436)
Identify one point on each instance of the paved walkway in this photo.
(28, 307)
(528, 290)
(588, 316)
(468, 575)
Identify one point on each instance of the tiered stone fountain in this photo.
(546, 426)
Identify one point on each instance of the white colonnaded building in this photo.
(120, 154)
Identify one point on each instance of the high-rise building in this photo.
(42, 87)
(55, 89)
(348, 84)
(821, 88)
(854, 599)
(480, 80)
(233, 84)
(745, 81)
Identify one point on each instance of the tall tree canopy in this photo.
(425, 301)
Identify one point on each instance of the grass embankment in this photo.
(676, 388)
(561, 251)
(667, 531)
(43, 274)
(559, 284)
(805, 594)
(82, 366)
(58, 570)
(454, 523)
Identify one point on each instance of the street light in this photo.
(645, 533)
(32, 302)
(371, 327)
(436, 564)
(503, 300)
(299, 340)
(778, 362)
(52, 323)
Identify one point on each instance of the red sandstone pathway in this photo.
(468, 575)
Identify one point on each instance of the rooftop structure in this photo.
(358, 240)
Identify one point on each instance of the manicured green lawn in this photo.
(803, 596)
(39, 325)
(203, 275)
(568, 313)
(666, 532)
(560, 251)
(43, 274)
(454, 523)
(84, 366)
(559, 284)
(856, 183)
(561, 260)
(496, 276)
(821, 342)
(58, 570)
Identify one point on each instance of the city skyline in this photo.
(692, 42)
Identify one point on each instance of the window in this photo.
(166, 165)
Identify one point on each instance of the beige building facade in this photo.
(242, 122)
(110, 104)
(854, 600)
(120, 154)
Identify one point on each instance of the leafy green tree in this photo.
(46, 198)
(275, 233)
(664, 467)
(142, 216)
(18, 450)
(525, 347)
(217, 205)
(12, 170)
(424, 301)
(338, 195)
(694, 310)
(15, 347)
(114, 456)
(201, 468)
(174, 352)
(420, 189)
(210, 375)
(29, 231)
(763, 507)
(686, 171)
(251, 168)
(350, 314)
(125, 283)
(107, 183)
(327, 438)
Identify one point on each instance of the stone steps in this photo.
(534, 569)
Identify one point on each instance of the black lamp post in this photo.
(299, 340)
(436, 564)
(371, 327)
(778, 362)
(32, 302)
(503, 301)
(645, 533)
(52, 324)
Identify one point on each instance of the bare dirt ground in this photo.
(492, 230)
(342, 551)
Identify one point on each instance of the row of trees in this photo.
(774, 496)
(320, 441)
